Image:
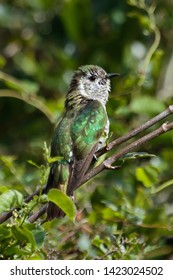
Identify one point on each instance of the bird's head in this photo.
(92, 82)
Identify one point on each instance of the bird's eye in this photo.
(92, 78)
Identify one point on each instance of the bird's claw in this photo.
(109, 166)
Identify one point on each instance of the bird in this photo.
(82, 130)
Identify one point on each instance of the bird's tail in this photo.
(79, 170)
(58, 178)
(53, 211)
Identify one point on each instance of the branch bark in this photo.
(38, 214)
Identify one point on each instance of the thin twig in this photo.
(29, 197)
(6, 215)
(38, 214)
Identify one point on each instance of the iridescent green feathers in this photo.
(87, 128)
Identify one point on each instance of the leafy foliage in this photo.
(122, 214)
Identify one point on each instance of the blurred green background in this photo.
(124, 214)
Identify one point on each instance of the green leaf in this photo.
(143, 177)
(14, 250)
(23, 234)
(4, 232)
(64, 202)
(39, 235)
(148, 175)
(136, 155)
(33, 163)
(10, 199)
(54, 159)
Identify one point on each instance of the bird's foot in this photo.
(111, 167)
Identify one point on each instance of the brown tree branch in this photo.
(38, 214)
(6, 215)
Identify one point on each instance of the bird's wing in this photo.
(60, 147)
(60, 170)
(86, 131)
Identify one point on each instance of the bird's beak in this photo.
(111, 75)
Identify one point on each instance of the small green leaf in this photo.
(4, 232)
(64, 202)
(33, 163)
(142, 177)
(23, 234)
(9, 199)
(39, 235)
(137, 155)
(54, 159)
(147, 175)
(14, 250)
